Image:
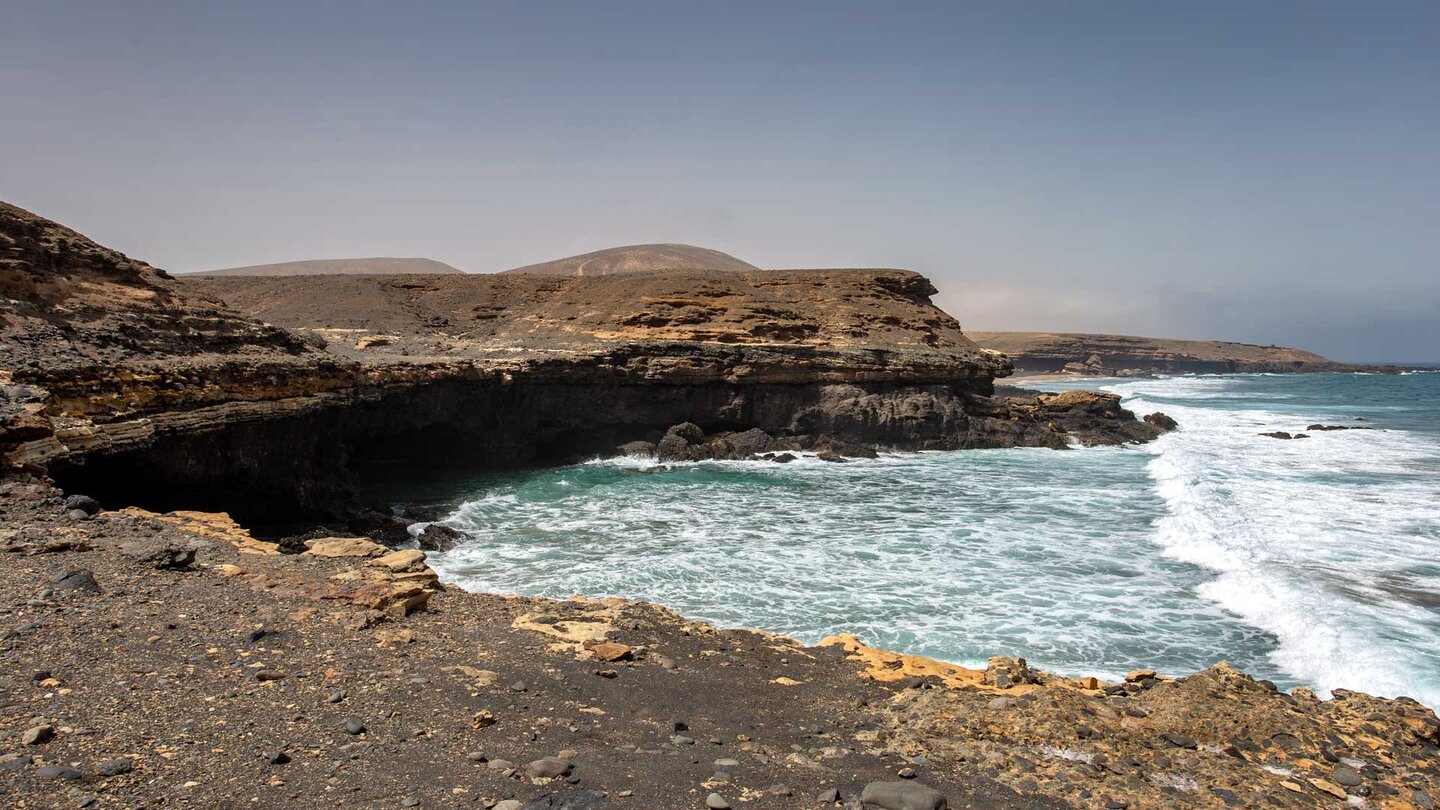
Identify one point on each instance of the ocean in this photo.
(1311, 562)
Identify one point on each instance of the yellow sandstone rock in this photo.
(344, 547)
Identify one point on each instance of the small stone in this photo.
(410, 801)
(60, 772)
(727, 763)
(1137, 675)
(547, 768)
(75, 579)
(716, 802)
(354, 726)
(519, 686)
(828, 796)
(906, 773)
(15, 762)
(336, 697)
(115, 767)
(679, 725)
(1328, 787)
(264, 675)
(1000, 703)
(38, 735)
(1179, 740)
(681, 739)
(508, 804)
(278, 758)
(500, 764)
(82, 503)
(476, 756)
(1346, 775)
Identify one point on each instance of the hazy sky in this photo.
(1267, 172)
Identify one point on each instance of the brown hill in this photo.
(338, 267)
(637, 259)
(1042, 352)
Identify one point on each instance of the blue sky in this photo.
(1264, 172)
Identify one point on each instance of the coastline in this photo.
(457, 691)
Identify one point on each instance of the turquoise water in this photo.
(1311, 561)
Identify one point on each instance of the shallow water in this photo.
(1309, 561)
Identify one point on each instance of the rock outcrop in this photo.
(1128, 356)
(637, 259)
(270, 397)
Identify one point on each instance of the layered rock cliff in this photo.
(1126, 355)
(269, 396)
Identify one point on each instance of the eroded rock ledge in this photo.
(141, 389)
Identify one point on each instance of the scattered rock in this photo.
(65, 772)
(75, 579)
(716, 802)
(828, 796)
(82, 503)
(278, 758)
(1162, 421)
(902, 796)
(353, 726)
(38, 735)
(1346, 775)
(1179, 740)
(547, 768)
(115, 767)
(160, 554)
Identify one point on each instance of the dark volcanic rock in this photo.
(1161, 421)
(75, 579)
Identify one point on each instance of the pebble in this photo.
(519, 686)
(410, 801)
(681, 739)
(508, 804)
(476, 756)
(15, 762)
(278, 758)
(38, 735)
(115, 767)
(547, 768)
(500, 764)
(829, 796)
(336, 697)
(1346, 775)
(1179, 740)
(727, 763)
(354, 726)
(906, 773)
(716, 802)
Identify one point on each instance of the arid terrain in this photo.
(161, 650)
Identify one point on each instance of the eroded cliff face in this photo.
(1126, 355)
(271, 397)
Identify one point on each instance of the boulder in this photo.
(160, 554)
(75, 579)
(902, 796)
(1162, 421)
(639, 449)
(84, 503)
(344, 547)
(438, 538)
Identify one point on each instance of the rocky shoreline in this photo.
(174, 660)
(196, 612)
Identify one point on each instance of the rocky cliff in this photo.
(1125, 355)
(271, 396)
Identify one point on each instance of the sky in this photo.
(1263, 172)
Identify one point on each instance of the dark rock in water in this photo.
(831, 456)
(672, 448)
(689, 431)
(75, 579)
(902, 796)
(1278, 434)
(438, 538)
(1162, 421)
(1332, 427)
(160, 554)
(84, 503)
(641, 448)
(780, 458)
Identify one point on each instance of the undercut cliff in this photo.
(272, 397)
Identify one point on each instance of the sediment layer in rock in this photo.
(1126, 355)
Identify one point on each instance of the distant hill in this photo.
(1048, 352)
(347, 267)
(637, 259)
